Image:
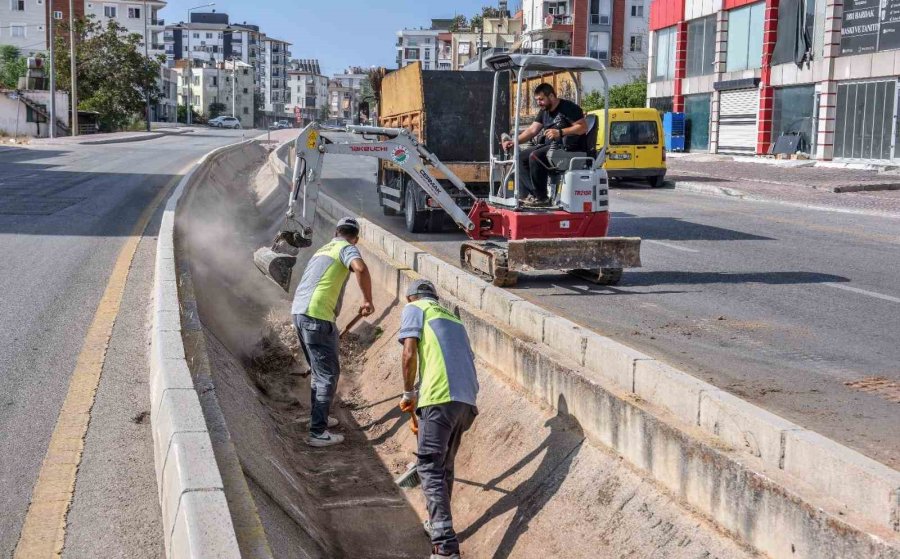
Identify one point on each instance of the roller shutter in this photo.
(738, 111)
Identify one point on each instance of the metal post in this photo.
(72, 64)
(52, 77)
(234, 88)
(481, 47)
(190, 73)
(147, 56)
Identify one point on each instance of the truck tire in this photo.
(416, 219)
(656, 181)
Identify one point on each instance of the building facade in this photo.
(308, 91)
(344, 92)
(814, 76)
(418, 45)
(499, 34)
(612, 31)
(274, 87)
(23, 24)
(229, 84)
(136, 17)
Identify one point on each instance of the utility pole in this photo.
(481, 47)
(52, 76)
(73, 64)
(147, 57)
(233, 88)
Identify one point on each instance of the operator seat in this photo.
(561, 158)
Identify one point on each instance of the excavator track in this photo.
(489, 261)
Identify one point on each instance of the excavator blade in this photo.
(574, 254)
(275, 266)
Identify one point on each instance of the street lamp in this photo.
(190, 64)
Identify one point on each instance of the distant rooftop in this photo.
(306, 66)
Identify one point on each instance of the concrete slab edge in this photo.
(197, 523)
(798, 465)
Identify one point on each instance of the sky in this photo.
(340, 33)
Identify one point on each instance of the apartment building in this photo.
(23, 24)
(613, 31)
(274, 87)
(344, 94)
(228, 83)
(498, 35)
(821, 73)
(423, 45)
(308, 90)
(136, 17)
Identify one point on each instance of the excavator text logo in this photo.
(399, 155)
(368, 148)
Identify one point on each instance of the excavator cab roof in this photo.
(544, 63)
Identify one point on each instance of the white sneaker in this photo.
(325, 439)
(332, 421)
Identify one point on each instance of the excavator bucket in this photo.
(275, 266)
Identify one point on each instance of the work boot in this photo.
(325, 439)
(539, 203)
(528, 200)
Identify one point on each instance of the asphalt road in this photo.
(65, 212)
(781, 306)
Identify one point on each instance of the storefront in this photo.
(864, 123)
(738, 111)
(696, 116)
(793, 114)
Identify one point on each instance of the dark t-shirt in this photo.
(566, 114)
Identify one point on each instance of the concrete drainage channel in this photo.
(583, 448)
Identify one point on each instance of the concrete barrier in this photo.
(781, 489)
(197, 523)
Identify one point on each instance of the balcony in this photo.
(157, 23)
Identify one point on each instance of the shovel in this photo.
(353, 322)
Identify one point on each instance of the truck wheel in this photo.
(656, 181)
(416, 220)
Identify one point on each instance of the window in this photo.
(110, 11)
(427, 66)
(598, 45)
(634, 133)
(664, 53)
(636, 43)
(792, 114)
(215, 80)
(600, 12)
(745, 33)
(701, 46)
(246, 109)
(17, 30)
(245, 89)
(18, 5)
(427, 41)
(57, 15)
(208, 36)
(637, 10)
(134, 13)
(196, 36)
(427, 55)
(411, 54)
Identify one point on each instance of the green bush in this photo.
(625, 96)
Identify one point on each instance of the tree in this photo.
(182, 115)
(624, 96)
(486, 11)
(324, 113)
(459, 23)
(12, 66)
(215, 109)
(114, 77)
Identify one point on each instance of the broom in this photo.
(410, 478)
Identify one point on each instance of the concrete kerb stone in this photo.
(498, 303)
(471, 290)
(745, 426)
(612, 361)
(196, 518)
(529, 318)
(671, 389)
(565, 337)
(864, 485)
(427, 266)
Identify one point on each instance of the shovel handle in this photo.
(352, 323)
(415, 422)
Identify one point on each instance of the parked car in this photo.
(229, 122)
(215, 122)
(281, 125)
(636, 145)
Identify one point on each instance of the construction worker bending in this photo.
(315, 303)
(436, 348)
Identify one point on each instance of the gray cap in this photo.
(348, 222)
(422, 288)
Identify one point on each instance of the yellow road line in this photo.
(44, 530)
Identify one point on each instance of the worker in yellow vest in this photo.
(314, 309)
(436, 348)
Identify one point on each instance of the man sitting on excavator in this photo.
(561, 126)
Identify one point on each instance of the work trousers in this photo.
(319, 340)
(440, 431)
(533, 171)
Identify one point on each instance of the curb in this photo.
(782, 489)
(700, 188)
(196, 519)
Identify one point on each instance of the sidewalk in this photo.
(110, 138)
(790, 182)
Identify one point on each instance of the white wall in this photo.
(699, 8)
(11, 110)
(33, 22)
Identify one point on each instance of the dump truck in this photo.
(450, 113)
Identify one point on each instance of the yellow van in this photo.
(636, 144)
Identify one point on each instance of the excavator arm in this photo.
(399, 147)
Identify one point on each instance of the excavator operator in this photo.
(559, 126)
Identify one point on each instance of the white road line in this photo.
(864, 292)
(676, 247)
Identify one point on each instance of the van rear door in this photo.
(621, 148)
(647, 146)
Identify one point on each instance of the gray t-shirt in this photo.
(313, 273)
